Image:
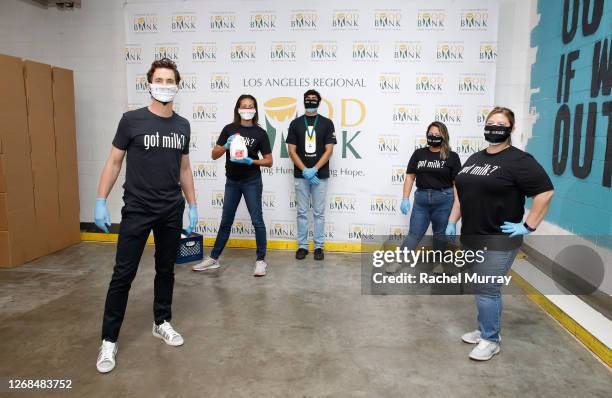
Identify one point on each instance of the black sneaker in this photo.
(318, 254)
(300, 254)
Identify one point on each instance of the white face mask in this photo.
(247, 113)
(163, 93)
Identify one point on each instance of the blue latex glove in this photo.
(314, 180)
(247, 160)
(514, 229)
(229, 141)
(101, 215)
(193, 218)
(309, 173)
(451, 229)
(405, 206)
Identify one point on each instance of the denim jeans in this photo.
(304, 191)
(488, 295)
(234, 189)
(430, 206)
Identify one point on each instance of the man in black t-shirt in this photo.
(156, 141)
(310, 141)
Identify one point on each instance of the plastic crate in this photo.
(191, 248)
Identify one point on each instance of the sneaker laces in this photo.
(106, 352)
(168, 331)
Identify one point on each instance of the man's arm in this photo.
(110, 172)
(329, 149)
(295, 157)
(187, 180)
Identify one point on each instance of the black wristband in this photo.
(528, 227)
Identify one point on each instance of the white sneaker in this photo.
(208, 264)
(472, 337)
(485, 350)
(166, 332)
(392, 268)
(106, 357)
(260, 268)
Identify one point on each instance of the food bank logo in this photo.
(222, 22)
(366, 51)
(488, 52)
(204, 52)
(450, 115)
(383, 205)
(474, 19)
(205, 171)
(132, 54)
(345, 19)
(324, 51)
(472, 84)
(450, 51)
(243, 51)
(431, 19)
(406, 114)
(145, 23)
(283, 51)
(189, 82)
(304, 20)
(166, 51)
(262, 21)
(430, 83)
(219, 82)
(184, 23)
(204, 112)
(408, 51)
(388, 19)
(343, 204)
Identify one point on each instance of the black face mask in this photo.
(434, 140)
(497, 134)
(311, 103)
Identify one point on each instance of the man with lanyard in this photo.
(156, 140)
(310, 141)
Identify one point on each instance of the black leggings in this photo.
(136, 224)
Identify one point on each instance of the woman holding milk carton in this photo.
(241, 141)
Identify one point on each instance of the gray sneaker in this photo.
(392, 268)
(209, 263)
(471, 337)
(485, 350)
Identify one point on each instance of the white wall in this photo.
(89, 41)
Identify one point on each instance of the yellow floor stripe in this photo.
(242, 243)
(591, 342)
(584, 336)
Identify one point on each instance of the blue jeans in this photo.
(251, 189)
(488, 295)
(304, 190)
(430, 206)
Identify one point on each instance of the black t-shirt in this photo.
(308, 149)
(431, 171)
(154, 146)
(257, 141)
(492, 189)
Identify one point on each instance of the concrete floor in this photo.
(304, 330)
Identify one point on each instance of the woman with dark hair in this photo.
(491, 189)
(434, 168)
(243, 178)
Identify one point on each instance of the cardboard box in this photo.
(13, 99)
(66, 155)
(39, 93)
(39, 196)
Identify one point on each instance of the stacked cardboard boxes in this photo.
(39, 202)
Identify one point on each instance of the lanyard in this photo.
(314, 126)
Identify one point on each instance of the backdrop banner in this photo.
(385, 70)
